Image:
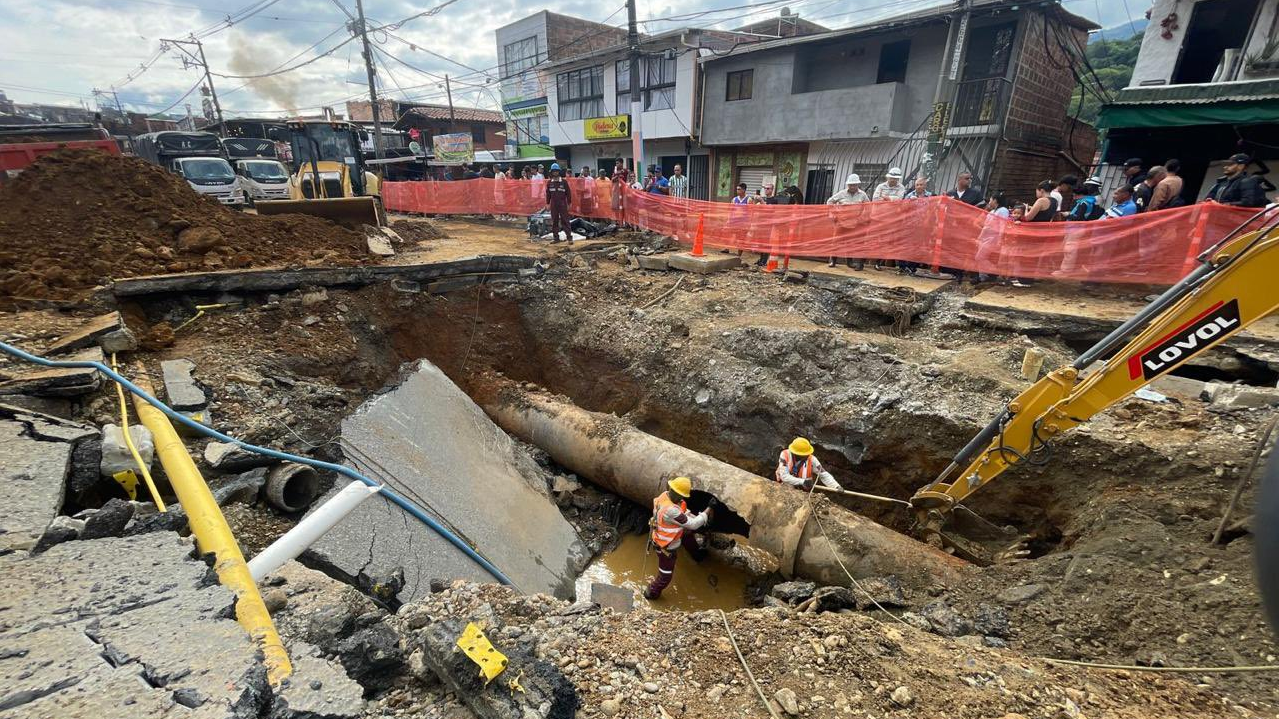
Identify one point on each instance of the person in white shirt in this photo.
(679, 183)
(891, 188)
(852, 194)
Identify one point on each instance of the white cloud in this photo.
(72, 46)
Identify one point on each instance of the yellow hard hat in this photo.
(801, 446)
(683, 486)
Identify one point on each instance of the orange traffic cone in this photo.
(699, 237)
(772, 264)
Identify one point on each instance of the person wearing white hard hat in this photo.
(852, 194)
(890, 189)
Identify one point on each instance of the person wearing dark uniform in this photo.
(558, 197)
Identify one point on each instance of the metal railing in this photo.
(980, 102)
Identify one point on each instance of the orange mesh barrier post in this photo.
(700, 236)
(1196, 238)
(939, 234)
(786, 263)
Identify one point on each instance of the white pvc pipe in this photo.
(311, 528)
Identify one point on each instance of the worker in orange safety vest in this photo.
(799, 468)
(671, 519)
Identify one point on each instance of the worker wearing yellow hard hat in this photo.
(671, 519)
(798, 467)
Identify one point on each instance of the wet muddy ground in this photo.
(734, 366)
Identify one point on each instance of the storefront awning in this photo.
(1225, 103)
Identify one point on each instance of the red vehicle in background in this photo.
(20, 145)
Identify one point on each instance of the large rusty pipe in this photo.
(631, 463)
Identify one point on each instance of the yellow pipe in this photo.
(128, 442)
(213, 535)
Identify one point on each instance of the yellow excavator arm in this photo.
(1236, 284)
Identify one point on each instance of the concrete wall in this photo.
(827, 90)
(655, 124)
(1158, 57)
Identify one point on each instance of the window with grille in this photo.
(740, 85)
(580, 93)
(657, 76)
(519, 56)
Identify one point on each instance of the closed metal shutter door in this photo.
(753, 177)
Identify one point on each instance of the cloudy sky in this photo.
(58, 51)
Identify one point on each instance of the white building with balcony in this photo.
(1205, 86)
(589, 103)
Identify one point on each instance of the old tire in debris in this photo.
(292, 487)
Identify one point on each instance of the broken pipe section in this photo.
(636, 465)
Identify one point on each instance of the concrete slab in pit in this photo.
(702, 265)
(58, 381)
(428, 440)
(123, 628)
(88, 334)
(1086, 314)
(887, 278)
(35, 458)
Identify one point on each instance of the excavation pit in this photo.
(736, 364)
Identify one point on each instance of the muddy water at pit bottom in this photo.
(717, 582)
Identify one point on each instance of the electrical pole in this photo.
(368, 67)
(197, 59)
(124, 119)
(448, 89)
(637, 136)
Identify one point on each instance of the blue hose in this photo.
(390, 494)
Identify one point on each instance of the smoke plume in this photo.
(256, 58)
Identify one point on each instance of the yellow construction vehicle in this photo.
(345, 191)
(1231, 288)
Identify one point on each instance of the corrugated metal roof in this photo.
(1198, 94)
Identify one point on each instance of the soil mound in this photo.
(76, 219)
(418, 231)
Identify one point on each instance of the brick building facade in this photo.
(1041, 140)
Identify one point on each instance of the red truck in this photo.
(20, 145)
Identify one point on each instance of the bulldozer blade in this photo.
(347, 211)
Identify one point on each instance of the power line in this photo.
(426, 13)
(185, 95)
(321, 56)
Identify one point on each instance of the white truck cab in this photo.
(262, 179)
(210, 176)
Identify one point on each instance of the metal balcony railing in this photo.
(980, 102)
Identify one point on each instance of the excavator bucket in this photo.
(346, 211)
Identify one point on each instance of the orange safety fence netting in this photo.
(1151, 248)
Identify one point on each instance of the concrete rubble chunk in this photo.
(226, 456)
(116, 456)
(429, 439)
(547, 693)
(87, 334)
(61, 529)
(180, 387)
(379, 245)
(33, 476)
(240, 489)
(703, 265)
(109, 521)
(1240, 396)
(318, 689)
(1020, 593)
(651, 262)
(58, 381)
(794, 592)
(609, 596)
(140, 632)
(886, 591)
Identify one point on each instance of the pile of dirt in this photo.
(76, 219)
(648, 664)
(418, 230)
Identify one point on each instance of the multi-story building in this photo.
(1205, 86)
(523, 47)
(980, 86)
(589, 104)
